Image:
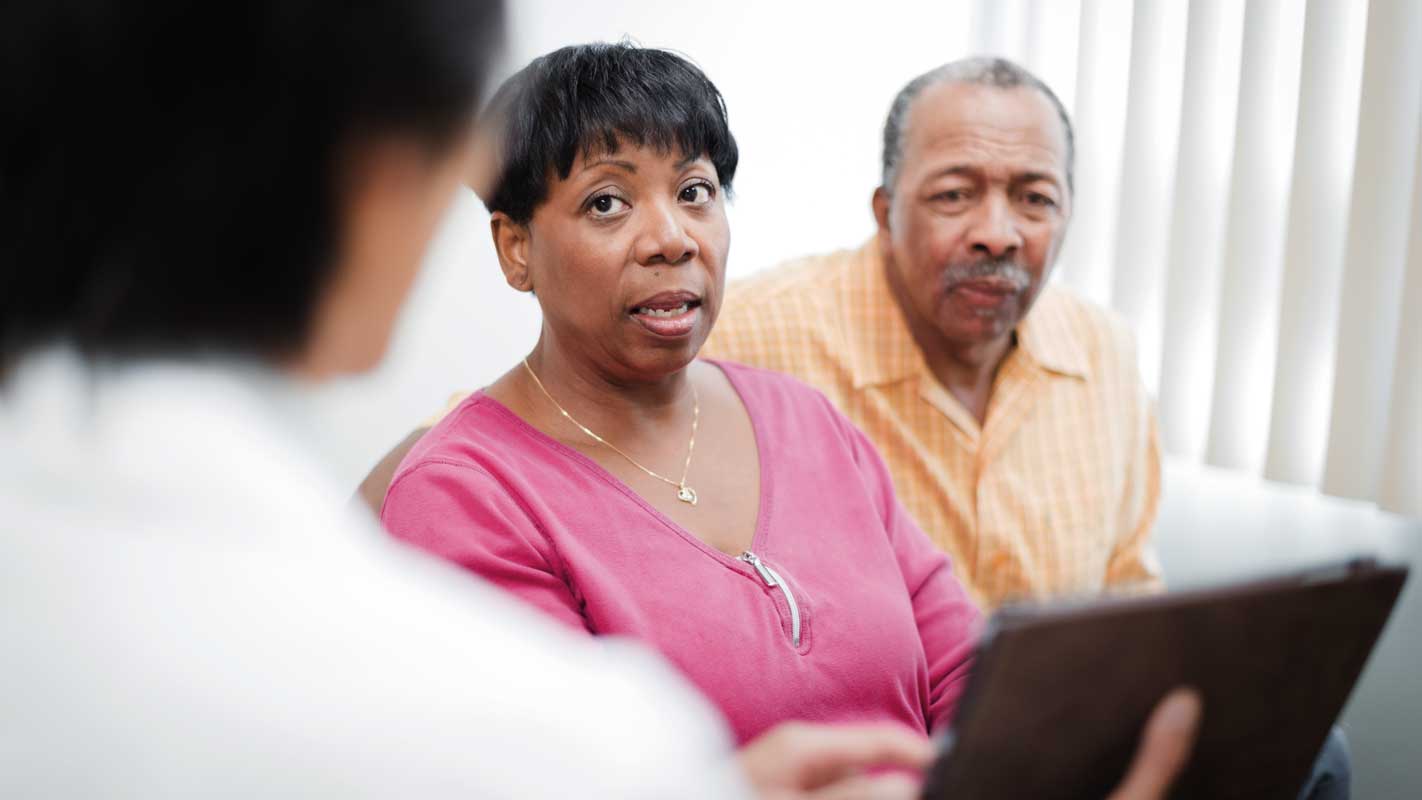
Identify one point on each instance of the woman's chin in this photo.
(655, 357)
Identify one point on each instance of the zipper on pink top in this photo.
(773, 579)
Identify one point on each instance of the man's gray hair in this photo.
(982, 71)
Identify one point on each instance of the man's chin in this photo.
(976, 328)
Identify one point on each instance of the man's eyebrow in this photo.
(956, 169)
(1033, 177)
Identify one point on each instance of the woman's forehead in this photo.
(632, 156)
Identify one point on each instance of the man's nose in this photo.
(994, 232)
(664, 238)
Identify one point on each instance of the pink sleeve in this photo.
(462, 514)
(949, 623)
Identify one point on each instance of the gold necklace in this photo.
(684, 493)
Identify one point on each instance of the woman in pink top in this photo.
(729, 517)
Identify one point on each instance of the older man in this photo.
(1010, 411)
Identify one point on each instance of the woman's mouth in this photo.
(670, 317)
(663, 312)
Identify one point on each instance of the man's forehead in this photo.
(1017, 126)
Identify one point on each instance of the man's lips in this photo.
(985, 291)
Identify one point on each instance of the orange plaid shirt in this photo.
(1055, 494)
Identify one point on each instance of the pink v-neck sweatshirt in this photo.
(885, 632)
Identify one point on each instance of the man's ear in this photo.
(880, 203)
(511, 243)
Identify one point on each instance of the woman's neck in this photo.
(612, 404)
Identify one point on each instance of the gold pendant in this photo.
(686, 495)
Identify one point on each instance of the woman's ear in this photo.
(511, 243)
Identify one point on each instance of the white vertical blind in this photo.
(1377, 247)
(1402, 465)
(1148, 173)
(1197, 226)
(1254, 242)
(1100, 121)
(1051, 44)
(1218, 209)
(1002, 28)
(1313, 252)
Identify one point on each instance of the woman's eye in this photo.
(605, 205)
(697, 193)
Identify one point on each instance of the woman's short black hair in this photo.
(585, 98)
(169, 170)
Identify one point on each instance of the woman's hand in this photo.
(800, 761)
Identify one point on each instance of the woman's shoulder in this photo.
(771, 395)
(762, 381)
(479, 435)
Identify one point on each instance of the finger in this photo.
(833, 752)
(1165, 747)
(863, 787)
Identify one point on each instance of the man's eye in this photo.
(605, 205)
(1038, 199)
(697, 193)
(952, 195)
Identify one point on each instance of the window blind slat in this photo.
(1376, 249)
(1197, 225)
(1099, 114)
(1148, 172)
(1313, 250)
(1401, 489)
(1254, 241)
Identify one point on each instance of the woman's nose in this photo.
(664, 238)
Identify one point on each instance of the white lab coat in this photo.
(188, 608)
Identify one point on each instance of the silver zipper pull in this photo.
(772, 579)
(765, 574)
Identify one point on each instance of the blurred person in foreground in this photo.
(203, 210)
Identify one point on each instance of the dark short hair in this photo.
(169, 170)
(998, 73)
(585, 98)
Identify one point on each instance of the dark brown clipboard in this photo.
(1058, 695)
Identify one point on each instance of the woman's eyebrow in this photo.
(611, 162)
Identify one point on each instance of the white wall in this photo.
(807, 86)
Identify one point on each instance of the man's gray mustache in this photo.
(1005, 269)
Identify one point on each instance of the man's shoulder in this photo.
(785, 311)
(1102, 334)
(802, 272)
(790, 286)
